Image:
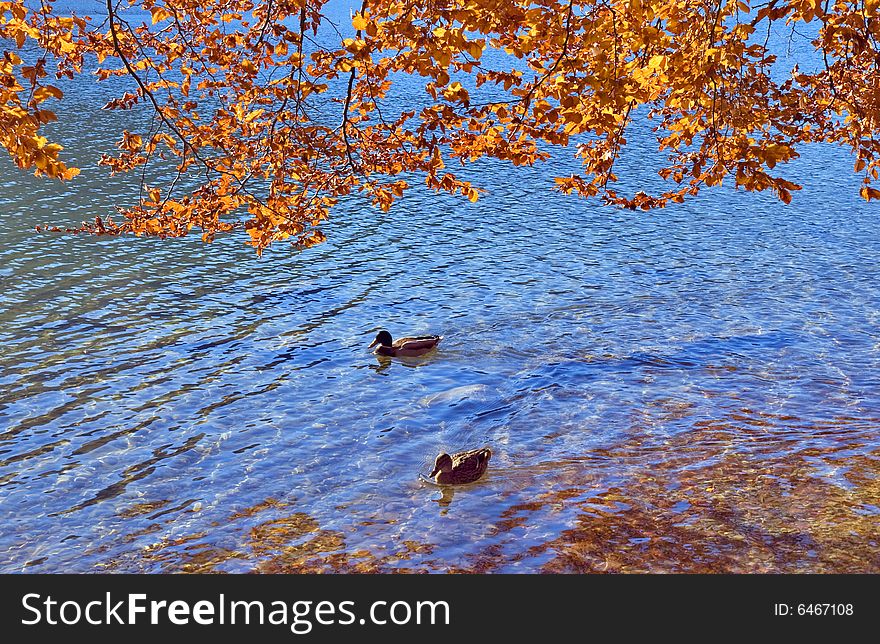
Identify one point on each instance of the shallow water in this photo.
(692, 389)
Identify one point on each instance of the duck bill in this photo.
(374, 343)
(434, 472)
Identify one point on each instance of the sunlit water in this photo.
(692, 389)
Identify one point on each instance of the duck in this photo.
(407, 347)
(460, 468)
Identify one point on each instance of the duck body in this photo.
(461, 468)
(404, 347)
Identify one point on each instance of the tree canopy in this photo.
(269, 122)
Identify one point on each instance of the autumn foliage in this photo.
(271, 112)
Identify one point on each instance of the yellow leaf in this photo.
(42, 93)
(359, 22)
(657, 62)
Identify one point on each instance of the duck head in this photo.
(443, 463)
(383, 338)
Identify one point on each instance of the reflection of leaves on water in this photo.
(736, 513)
(152, 528)
(730, 518)
(271, 535)
(144, 507)
(256, 509)
(754, 492)
(291, 543)
(283, 544)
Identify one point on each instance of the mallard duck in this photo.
(463, 467)
(406, 347)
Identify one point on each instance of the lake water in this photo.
(692, 389)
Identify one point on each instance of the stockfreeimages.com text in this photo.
(300, 616)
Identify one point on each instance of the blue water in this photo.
(691, 389)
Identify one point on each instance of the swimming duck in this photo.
(463, 467)
(406, 347)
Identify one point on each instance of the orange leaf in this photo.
(160, 14)
(869, 193)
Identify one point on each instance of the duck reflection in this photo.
(446, 495)
(383, 363)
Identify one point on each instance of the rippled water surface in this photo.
(693, 389)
